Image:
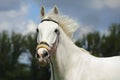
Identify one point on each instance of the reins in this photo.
(52, 68)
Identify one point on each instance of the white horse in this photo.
(69, 62)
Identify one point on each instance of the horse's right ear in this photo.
(55, 10)
(42, 11)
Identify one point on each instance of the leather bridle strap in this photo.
(49, 20)
(43, 45)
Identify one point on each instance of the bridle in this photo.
(45, 45)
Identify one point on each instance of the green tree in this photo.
(111, 43)
(105, 45)
(91, 42)
(11, 48)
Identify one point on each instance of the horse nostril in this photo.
(45, 53)
(37, 55)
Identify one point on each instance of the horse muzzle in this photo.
(43, 53)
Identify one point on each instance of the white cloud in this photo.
(83, 31)
(95, 4)
(16, 20)
(30, 26)
(100, 4)
(87, 29)
(11, 15)
(6, 5)
(112, 3)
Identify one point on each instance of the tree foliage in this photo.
(102, 45)
(11, 47)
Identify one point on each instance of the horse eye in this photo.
(56, 31)
(37, 30)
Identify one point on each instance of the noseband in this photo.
(43, 45)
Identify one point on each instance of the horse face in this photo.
(47, 39)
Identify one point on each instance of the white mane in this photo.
(67, 24)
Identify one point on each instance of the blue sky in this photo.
(23, 16)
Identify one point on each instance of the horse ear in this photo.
(55, 10)
(42, 11)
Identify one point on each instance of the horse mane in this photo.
(68, 25)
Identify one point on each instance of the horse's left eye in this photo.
(56, 31)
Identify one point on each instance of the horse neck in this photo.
(64, 59)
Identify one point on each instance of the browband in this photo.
(49, 20)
